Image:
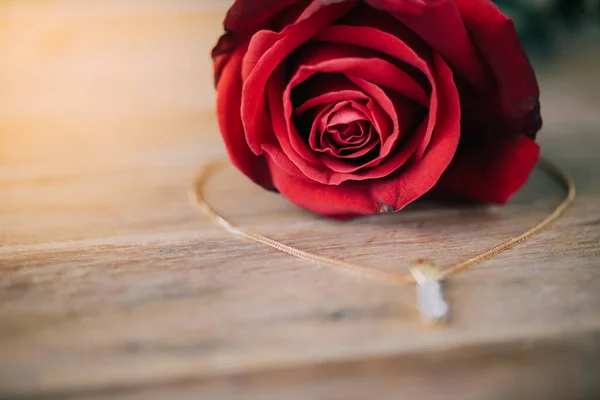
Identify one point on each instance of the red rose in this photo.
(359, 107)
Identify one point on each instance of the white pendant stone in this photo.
(431, 303)
(430, 297)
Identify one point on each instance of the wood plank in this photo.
(112, 285)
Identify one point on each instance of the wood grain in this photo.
(113, 286)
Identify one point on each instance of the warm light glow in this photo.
(86, 84)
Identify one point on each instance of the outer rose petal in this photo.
(496, 119)
(439, 23)
(493, 167)
(249, 16)
(230, 123)
(491, 172)
(246, 17)
(481, 46)
(495, 36)
(342, 201)
(221, 54)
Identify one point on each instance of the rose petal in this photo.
(439, 23)
(352, 146)
(340, 113)
(347, 199)
(230, 124)
(249, 16)
(365, 16)
(383, 100)
(367, 141)
(361, 63)
(350, 198)
(221, 53)
(356, 133)
(313, 85)
(350, 152)
(491, 171)
(414, 180)
(374, 39)
(495, 36)
(332, 97)
(321, 122)
(244, 18)
(305, 74)
(287, 136)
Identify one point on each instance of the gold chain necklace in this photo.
(425, 274)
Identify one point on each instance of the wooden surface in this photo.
(113, 287)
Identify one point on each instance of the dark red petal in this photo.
(495, 36)
(492, 171)
(367, 16)
(230, 124)
(221, 54)
(380, 71)
(249, 16)
(414, 7)
(244, 18)
(374, 39)
(439, 23)
(415, 179)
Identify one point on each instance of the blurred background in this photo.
(545, 24)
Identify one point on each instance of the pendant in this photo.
(430, 298)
